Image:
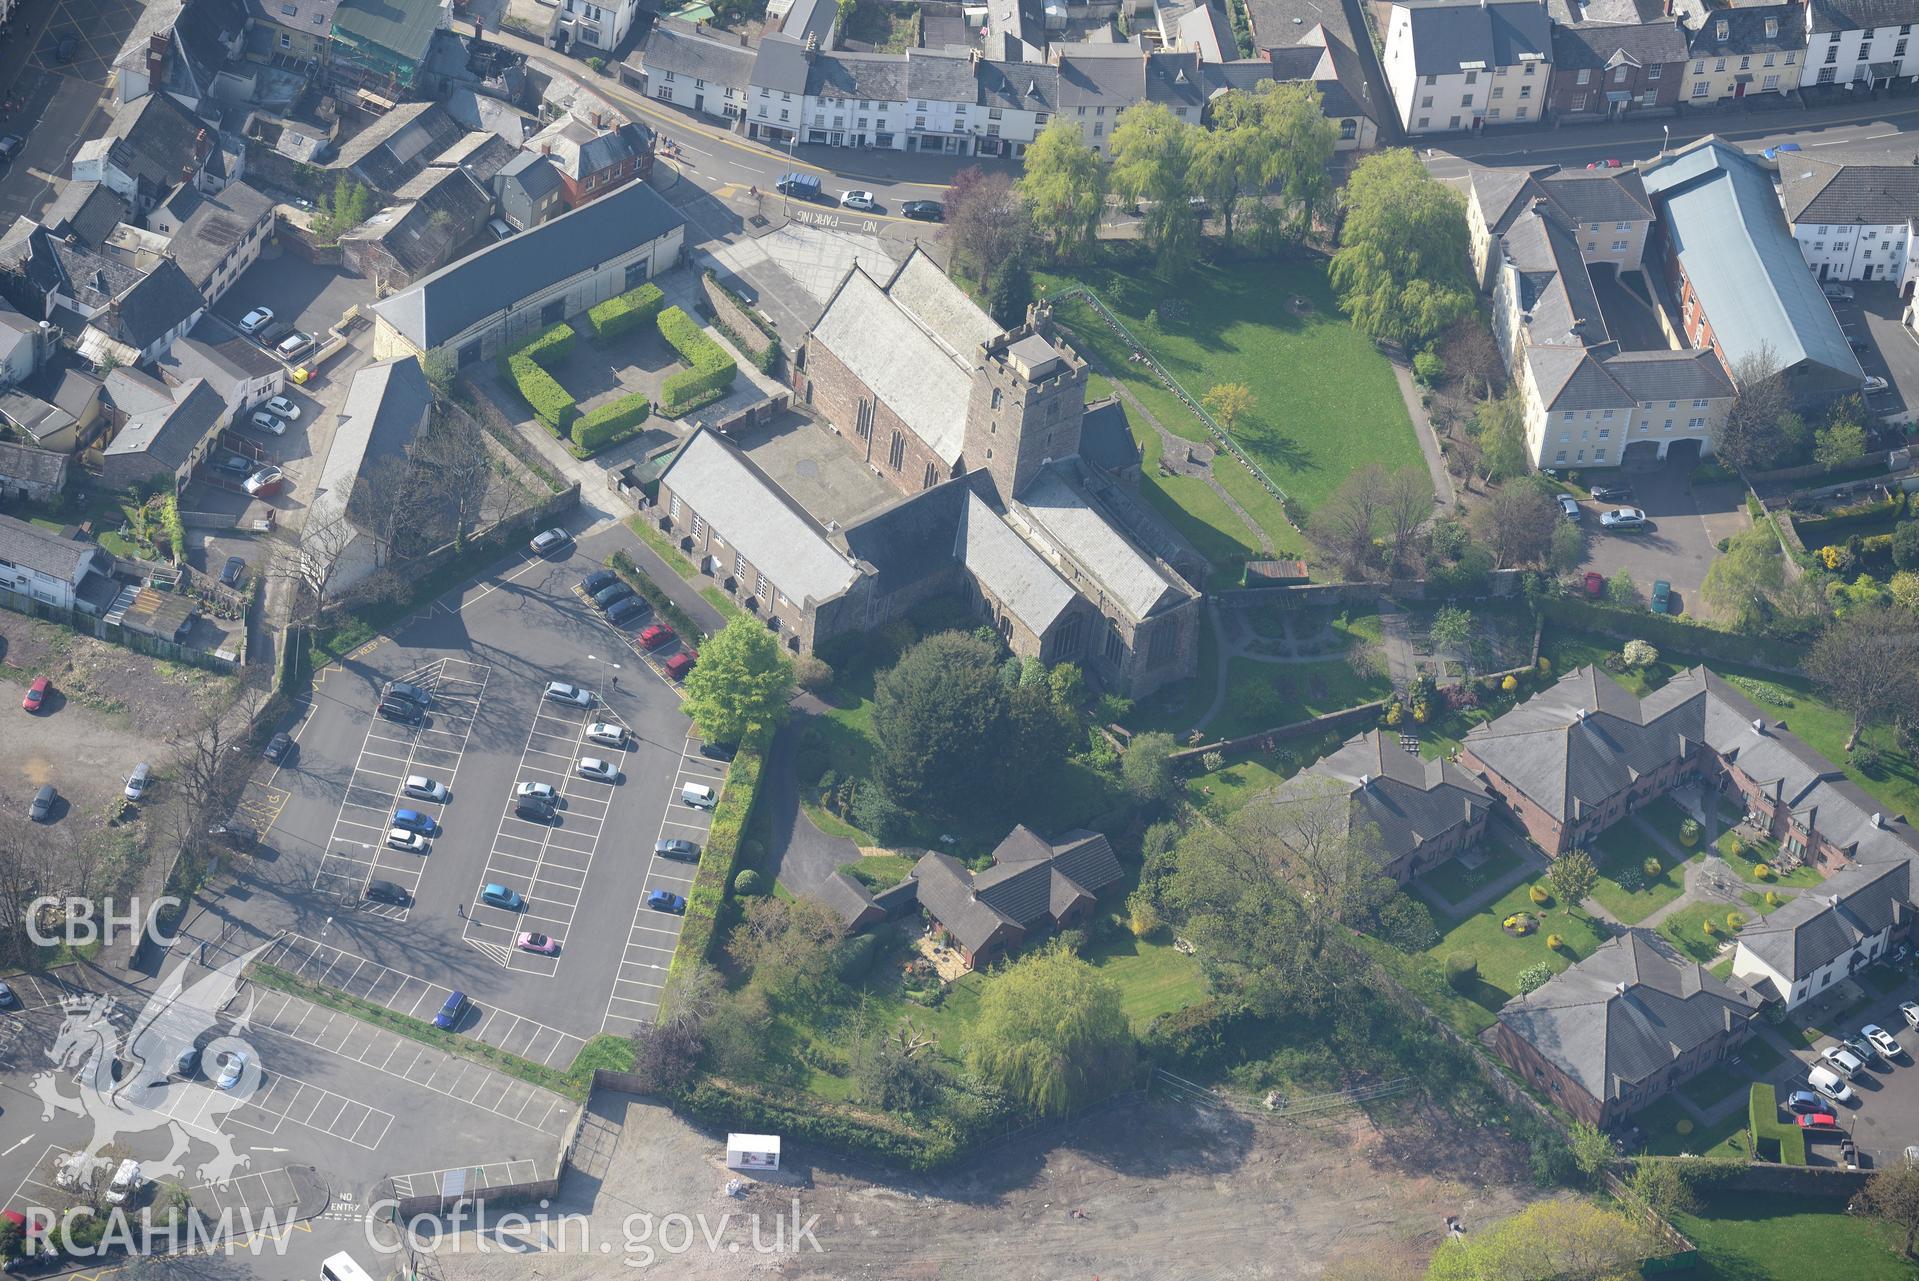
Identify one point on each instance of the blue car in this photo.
(1773, 153)
(449, 1016)
(414, 821)
(501, 896)
(665, 901)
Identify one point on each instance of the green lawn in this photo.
(1763, 851)
(1201, 516)
(1501, 956)
(1685, 929)
(1153, 978)
(1620, 852)
(1454, 883)
(1713, 1086)
(1664, 1121)
(1666, 818)
(1764, 1237)
(1325, 400)
(1265, 695)
(1219, 794)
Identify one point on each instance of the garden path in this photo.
(1174, 446)
(1444, 496)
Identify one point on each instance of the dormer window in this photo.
(1772, 28)
(1721, 30)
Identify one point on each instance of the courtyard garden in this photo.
(1700, 930)
(1637, 874)
(1506, 959)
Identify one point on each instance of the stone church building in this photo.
(1012, 491)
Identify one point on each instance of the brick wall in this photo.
(1534, 1068)
(751, 336)
(1545, 830)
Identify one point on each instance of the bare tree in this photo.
(1759, 428)
(453, 452)
(208, 753)
(390, 502)
(1516, 524)
(987, 223)
(316, 561)
(1865, 663)
(1405, 504)
(1344, 526)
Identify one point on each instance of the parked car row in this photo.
(1846, 1061)
(622, 608)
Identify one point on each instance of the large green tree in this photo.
(1153, 162)
(1499, 425)
(1064, 186)
(1759, 429)
(1051, 1033)
(1740, 583)
(1401, 268)
(742, 681)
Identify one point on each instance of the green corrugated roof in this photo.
(403, 28)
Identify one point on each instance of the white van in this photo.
(126, 1181)
(698, 795)
(1830, 1084)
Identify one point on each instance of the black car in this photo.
(40, 810)
(605, 597)
(672, 847)
(68, 43)
(186, 1060)
(401, 709)
(411, 693)
(626, 611)
(387, 892)
(235, 567)
(924, 210)
(597, 580)
(10, 145)
(279, 747)
(1858, 344)
(534, 809)
(1611, 493)
(719, 751)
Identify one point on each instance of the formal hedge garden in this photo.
(625, 313)
(554, 405)
(713, 368)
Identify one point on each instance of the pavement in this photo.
(799, 855)
(56, 105)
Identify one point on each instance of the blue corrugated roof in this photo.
(1731, 237)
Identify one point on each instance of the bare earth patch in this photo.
(1160, 1190)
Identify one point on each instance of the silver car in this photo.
(595, 768)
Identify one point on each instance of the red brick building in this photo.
(594, 159)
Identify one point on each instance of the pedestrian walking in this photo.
(461, 909)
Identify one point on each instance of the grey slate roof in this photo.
(1030, 882)
(946, 893)
(1862, 15)
(1650, 44)
(1670, 375)
(579, 149)
(1091, 80)
(874, 77)
(1062, 516)
(215, 226)
(1573, 13)
(1019, 86)
(1848, 194)
(1017, 576)
(1625, 1013)
(849, 900)
(757, 518)
(1724, 221)
(1277, 23)
(717, 58)
(532, 173)
(916, 537)
(32, 547)
(462, 293)
(31, 466)
(1448, 34)
(1173, 79)
(780, 65)
(399, 144)
(89, 210)
(1105, 440)
(938, 76)
(161, 300)
(481, 111)
(1406, 799)
(214, 350)
(153, 138)
(168, 435)
(1853, 904)
(1746, 31)
(1576, 195)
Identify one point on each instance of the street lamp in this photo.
(604, 664)
(1666, 145)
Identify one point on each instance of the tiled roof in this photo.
(1029, 882)
(27, 465)
(1651, 44)
(169, 435)
(215, 228)
(1019, 86)
(1448, 34)
(1625, 1014)
(162, 300)
(876, 77)
(1408, 800)
(1065, 518)
(1771, 28)
(1829, 16)
(90, 210)
(1828, 920)
(32, 547)
(1848, 195)
(716, 58)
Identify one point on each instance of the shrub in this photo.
(1638, 653)
(1763, 871)
(1510, 684)
(812, 674)
(1428, 367)
(1689, 832)
(1462, 968)
(1651, 868)
(1534, 976)
(1200, 1035)
(1213, 762)
(612, 421)
(713, 369)
(1773, 899)
(1735, 843)
(1538, 895)
(1712, 930)
(1545, 665)
(1554, 942)
(625, 312)
(1733, 921)
(748, 883)
(550, 346)
(551, 403)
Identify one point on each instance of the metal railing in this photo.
(1172, 384)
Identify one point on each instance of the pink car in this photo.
(539, 944)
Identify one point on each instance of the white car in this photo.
(261, 420)
(230, 1072)
(538, 791)
(561, 692)
(265, 482)
(293, 344)
(400, 839)
(284, 408)
(548, 540)
(1910, 1011)
(1874, 383)
(1570, 506)
(1842, 1060)
(594, 767)
(1622, 518)
(860, 200)
(425, 789)
(256, 320)
(1882, 1040)
(604, 732)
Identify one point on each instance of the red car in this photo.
(1603, 164)
(655, 636)
(36, 694)
(681, 663)
(1818, 1121)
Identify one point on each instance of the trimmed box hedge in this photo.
(626, 312)
(555, 344)
(713, 368)
(699, 925)
(610, 422)
(552, 404)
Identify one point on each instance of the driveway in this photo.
(799, 855)
(1687, 521)
(1894, 353)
